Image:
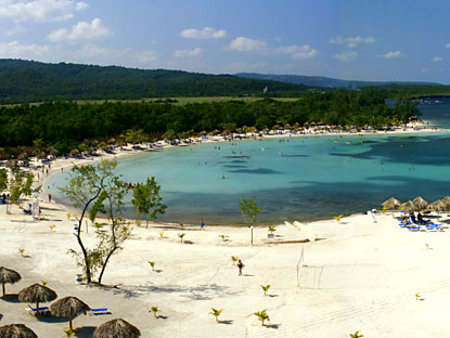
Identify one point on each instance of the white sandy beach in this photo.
(370, 275)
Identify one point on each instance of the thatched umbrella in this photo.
(391, 203)
(407, 206)
(438, 205)
(420, 203)
(70, 307)
(37, 293)
(16, 331)
(117, 328)
(8, 276)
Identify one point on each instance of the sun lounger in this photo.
(43, 310)
(99, 311)
(413, 228)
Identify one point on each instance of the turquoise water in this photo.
(296, 178)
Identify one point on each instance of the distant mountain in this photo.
(320, 81)
(30, 81)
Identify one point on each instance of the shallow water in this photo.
(295, 178)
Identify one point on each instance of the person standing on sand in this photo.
(202, 225)
(240, 265)
(49, 198)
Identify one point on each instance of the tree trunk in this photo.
(104, 264)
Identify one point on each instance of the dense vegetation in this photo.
(28, 81)
(65, 125)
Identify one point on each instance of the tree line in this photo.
(65, 125)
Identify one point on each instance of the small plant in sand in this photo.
(338, 218)
(216, 313)
(152, 264)
(69, 215)
(262, 316)
(22, 252)
(265, 288)
(154, 310)
(161, 234)
(272, 229)
(356, 335)
(418, 296)
(234, 259)
(52, 227)
(181, 225)
(69, 332)
(97, 227)
(224, 237)
(181, 237)
(44, 282)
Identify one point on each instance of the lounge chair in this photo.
(99, 311)
(43, 310)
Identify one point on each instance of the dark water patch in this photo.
(259, 171)
(294, 155)
(234, 166)
(246, 157)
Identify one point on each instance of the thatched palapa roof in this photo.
(16, 331)
(117, 328)
(70, 307)
(8, 276)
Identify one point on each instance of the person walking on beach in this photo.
(202, 225)
(240, 265)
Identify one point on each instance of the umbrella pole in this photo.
(3, 288)
(70, 324)
(37, 308)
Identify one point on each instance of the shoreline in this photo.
(121, 152)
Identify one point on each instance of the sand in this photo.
(360, 276)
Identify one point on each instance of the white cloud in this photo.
(181, 53)
(205, 33)
(87, 54)
(392, 55)
(436, 59)
(352, 42)
(39, 10)
(298, 52)
(447, 45)
(347, 56)
(243, 44)
(81, 31)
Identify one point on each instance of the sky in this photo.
(376, 40)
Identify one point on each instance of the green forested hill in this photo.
(29, 81)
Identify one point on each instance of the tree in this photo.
(84, 188)
(3, 179)
(249, 210)
(216, 313)
(147, 200)
(265, 288)
(262, 316)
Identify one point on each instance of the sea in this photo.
(293, 178)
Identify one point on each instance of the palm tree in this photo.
(154, 310)
(181, 237)
(152, 264)
(265, 288)
(272, 229)
(338, 218)
(216, 313)
(262, 316)
(234, 259)
(356, 335)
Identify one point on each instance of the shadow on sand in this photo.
(11, 298)
(85, 332)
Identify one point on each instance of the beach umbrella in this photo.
(438, 205)
(117, 328)
(407, 206)
(37, 293)
(420, 203)
(391, 203)
(8, 276)
(69, 307)
(16, 331)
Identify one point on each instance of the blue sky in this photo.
(402, 40)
